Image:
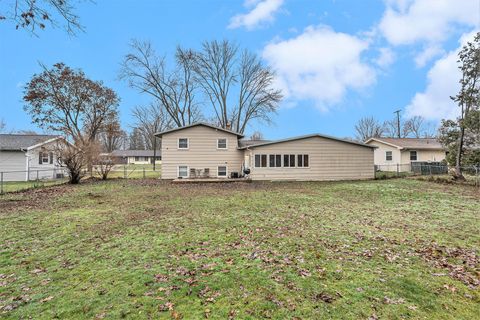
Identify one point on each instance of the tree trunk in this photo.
(154, 150)
(458, 162)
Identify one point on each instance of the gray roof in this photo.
(18, 142)
(159, 134)
(411, 143)
(134, 153)
(249, 143)
(306, 137)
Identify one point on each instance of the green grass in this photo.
(146, 249)
(13, 186)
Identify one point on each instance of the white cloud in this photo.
(262, 12)
(442, 82)
(385, 58)
(427, 54)
(431, 22)
(320, 65)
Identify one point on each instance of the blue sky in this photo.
(336, 60)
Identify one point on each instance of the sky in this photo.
(336, 61)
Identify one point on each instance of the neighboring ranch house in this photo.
(397, 154)
(29, 157)
(203, 150)
(136, 156)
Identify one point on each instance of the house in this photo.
(26, 157)
(135, 156)
(203, 150)
(397, 154)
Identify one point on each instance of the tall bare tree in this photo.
(367, 128)
(150, 120)
(111, 136)
(3, 125)
(256, 135)
(32, 15)
(219, 68)
(174, 90)
(415, 126)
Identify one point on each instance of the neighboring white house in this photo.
(397, 154)
(203, 150)
(136, 156)
(29, 157)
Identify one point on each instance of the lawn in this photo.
(147, 249)
(13, 186)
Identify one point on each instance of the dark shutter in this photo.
(40, 157)
(51, 157)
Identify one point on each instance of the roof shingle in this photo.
(18, 142)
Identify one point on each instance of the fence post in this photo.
(37, 181)
(1, 182)
(124, 172)
(144, 173)
(398, 170)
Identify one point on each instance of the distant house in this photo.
(203, 150)
(136, 156)
(394, 154)
(29, 157)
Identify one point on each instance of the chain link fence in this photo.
(471, 173)
(12, 181)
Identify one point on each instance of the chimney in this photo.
(228, 126)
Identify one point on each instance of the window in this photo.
(183, 172)
(292, 160)
(43, 158)
(260, 160)
(275, 160)
(413, 155)
(288, 160)
(182, 143)
(302, 160)
(222, 143)
(137, 158)
(222, 171)
(388, 155)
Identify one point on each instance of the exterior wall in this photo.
(131, 160)
(424, 155)
(328, 160)
(402, 157)
(13, 161)
(202, 151)
(45, 170)
(380, 157)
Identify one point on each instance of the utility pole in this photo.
(398, 122)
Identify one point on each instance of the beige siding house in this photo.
(202, 150)
(29, 157)
(394, 154)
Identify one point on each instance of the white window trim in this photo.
(41, 153)
(188, 144)
(178, 171)
(226, 172)
(410, 155)
(226, 144)
(391, 152)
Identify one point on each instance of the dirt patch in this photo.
(31, 199)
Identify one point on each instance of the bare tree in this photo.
(111, 136)
(218, 69)
(256, 135)
(135, 140)
(74, 159)
(65, 100)
(415, 126)
(150, 120)
(103, 163)
(257, 98)
(367, 128)
(3, 125)
(391, 129)
(173, 90)
(32, 15)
